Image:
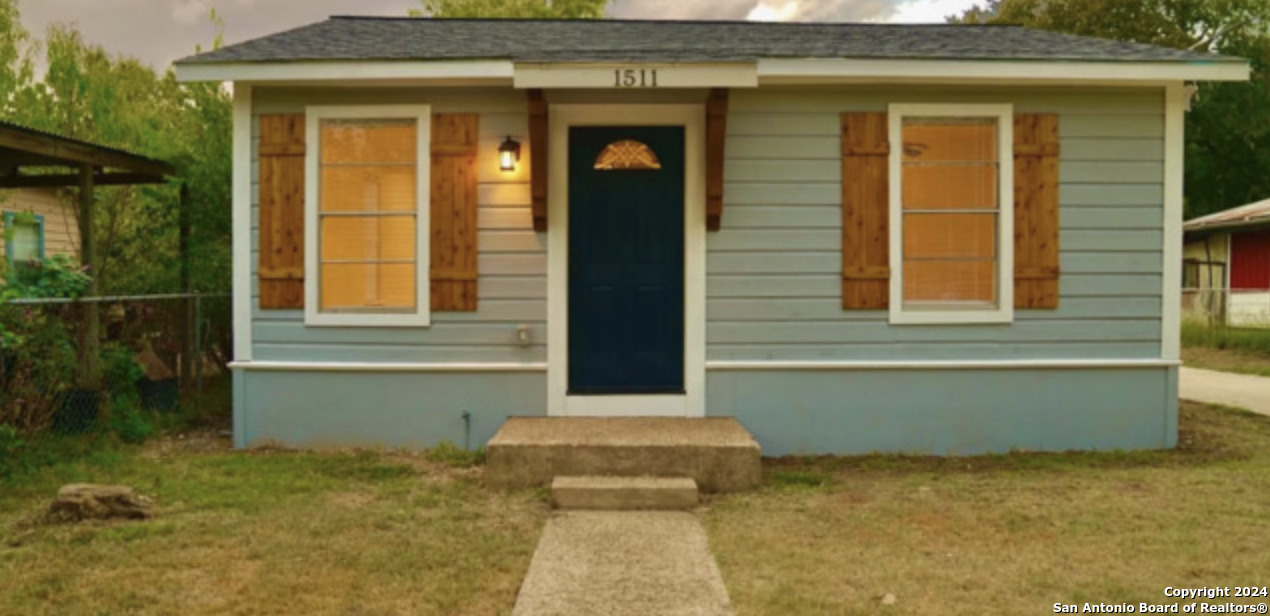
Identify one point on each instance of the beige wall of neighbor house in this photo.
(1205, 262)
(61, 226)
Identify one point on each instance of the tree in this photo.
(522, 9)
(15, 64)
(1228, 128)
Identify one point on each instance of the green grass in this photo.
(268, 532)
(1245, 351)
(1250, 340)
(1003, 534)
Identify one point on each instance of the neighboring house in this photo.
(38, 224)
(1226, 266)
(852, 238)
(35, 166)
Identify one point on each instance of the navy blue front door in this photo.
(626, 260)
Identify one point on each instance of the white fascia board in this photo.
(636, 75)
(262, 72)
(827, 70)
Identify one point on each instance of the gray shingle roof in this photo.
(377, 38)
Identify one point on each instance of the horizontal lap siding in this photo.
(61, 223)
(774, 270)
(512, 263)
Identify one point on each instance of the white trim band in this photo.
(824, 70)
(1176, 98)
(498, 71)
(243, 267)
(320, 366)
(721, 365)
(987, 364)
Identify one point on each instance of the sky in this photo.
(160, 31)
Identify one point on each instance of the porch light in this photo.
(508, 154)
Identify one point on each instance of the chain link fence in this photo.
(125, 365)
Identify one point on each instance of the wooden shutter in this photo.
(281, 256)
(865, 211)
(538, 157)
(453, 211)
(1036, 268)
(716, 134)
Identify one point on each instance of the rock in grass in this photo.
(86, 501)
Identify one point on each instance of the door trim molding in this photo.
(692, 118)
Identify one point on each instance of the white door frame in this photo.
(692, 402)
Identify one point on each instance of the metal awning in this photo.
(24, 149)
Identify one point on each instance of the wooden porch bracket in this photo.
(538, 156)
(716, 135)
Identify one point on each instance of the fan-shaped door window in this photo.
(627, 154)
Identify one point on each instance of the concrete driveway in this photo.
(1225, 388)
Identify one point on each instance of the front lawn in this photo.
(269, 533)
(1003, 534)
(273, 532)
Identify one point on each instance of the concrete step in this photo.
(716, 452)
(624, 493)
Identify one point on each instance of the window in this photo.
(951, 214)
(627, 154)
(366, 211)
(1190, 273)
(23, 239)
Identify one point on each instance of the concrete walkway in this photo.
(621, 563)
(1242, 390)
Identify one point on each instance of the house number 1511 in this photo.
(634, 78)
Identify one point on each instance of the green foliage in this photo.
(37, 362)
(1228, 128)
(1200, 334)
(56, 276)
(129, 422)
(12, 454)
(120, 372)
(518, 9)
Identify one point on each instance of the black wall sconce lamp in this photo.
(508, 154)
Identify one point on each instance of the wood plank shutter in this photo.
(281, 211)
(453, 212)
(866, 268)
(538, 157)
(1036, 268)
(716, 134)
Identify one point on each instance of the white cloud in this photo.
(763, 11)
(190, 13)
(928, 11)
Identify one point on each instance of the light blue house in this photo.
(851, 238)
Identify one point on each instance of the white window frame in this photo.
(1004, 311)
(313, 314)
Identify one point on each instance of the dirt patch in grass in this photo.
(277, 532)
(1227, 360)
(1002, 534)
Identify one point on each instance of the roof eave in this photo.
(1219, 227)
(496, 71)
(769, 71)
(809, 70)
